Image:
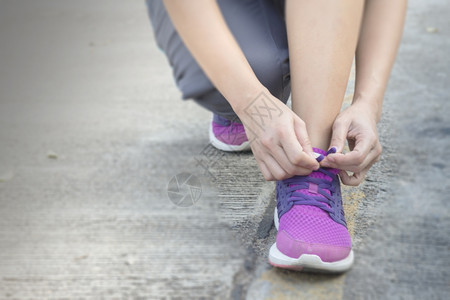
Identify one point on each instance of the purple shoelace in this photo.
(306, 190)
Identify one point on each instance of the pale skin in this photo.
(324, 37)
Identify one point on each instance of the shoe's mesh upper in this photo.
(311, 224)
(228, 132)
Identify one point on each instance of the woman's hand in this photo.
(278, 137)
(357, 125)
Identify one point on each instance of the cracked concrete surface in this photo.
(93, 128)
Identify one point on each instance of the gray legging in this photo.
(260, 30)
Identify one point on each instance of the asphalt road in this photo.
(93, 131)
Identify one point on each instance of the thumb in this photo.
(339, 135)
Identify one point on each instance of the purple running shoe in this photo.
(312, 232)
(227, 135)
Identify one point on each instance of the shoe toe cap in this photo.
(295, 248)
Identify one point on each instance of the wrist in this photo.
(241, 100)
(371, 104)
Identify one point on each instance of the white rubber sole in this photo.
(226, 147)
(307, 262)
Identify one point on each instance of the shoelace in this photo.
(325, 201)
(323, 189)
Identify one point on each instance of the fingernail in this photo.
(332, 150)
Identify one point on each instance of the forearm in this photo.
(380, 35)
(203, 29)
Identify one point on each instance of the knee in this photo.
(216, 103)
(272, 69)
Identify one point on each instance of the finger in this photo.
(339, 135)
(305, 142)
(265, 171)
(296, 156)
(337, 143)
(302, 135)
(355, 167)
(353, 180)
(372, 157)
(290, 168)
(271, 147)
(280, 166)
(352, 160)
(278, 153)
(258, 153)
(370, 160)
(274, 168)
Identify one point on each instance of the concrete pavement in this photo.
(92, 131)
